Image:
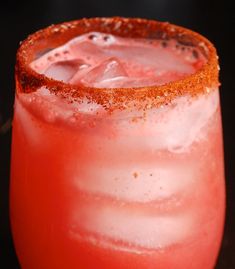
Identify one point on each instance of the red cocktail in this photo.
(117, 157)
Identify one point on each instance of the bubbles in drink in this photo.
(100, 38)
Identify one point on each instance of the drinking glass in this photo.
(117, 178)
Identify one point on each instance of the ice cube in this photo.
(65, 70)
(140, 183)
(144, 56)
(132, 226)
(174, 127)
(127, 82)
(108, 70)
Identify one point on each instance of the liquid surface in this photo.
(105, 61)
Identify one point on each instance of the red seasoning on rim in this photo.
(203, 80)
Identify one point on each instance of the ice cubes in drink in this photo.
(108, 71)
(131, 226)
(139, 183)
(110, 61)
(65, 70)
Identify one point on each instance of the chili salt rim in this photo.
(202, 81)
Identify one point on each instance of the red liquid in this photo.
(96, 190)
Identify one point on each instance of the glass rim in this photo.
(201, 81)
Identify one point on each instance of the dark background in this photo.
(214, 19)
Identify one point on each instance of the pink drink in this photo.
(102, 60)
(125, 181)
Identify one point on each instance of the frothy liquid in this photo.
(103, 60)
